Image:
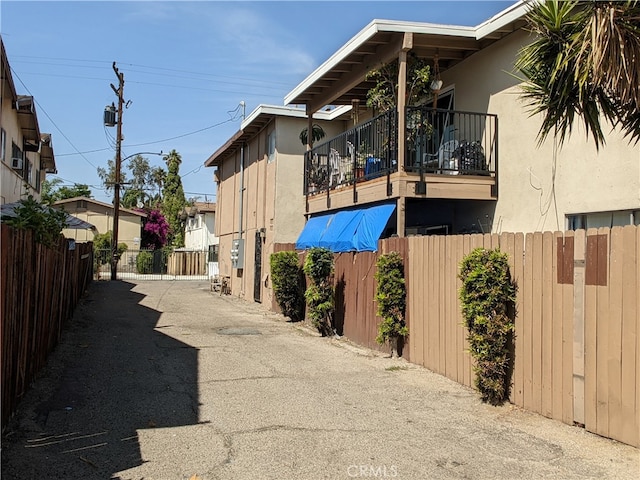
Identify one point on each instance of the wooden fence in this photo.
(187, 263)
(40, 289)
(577, 326)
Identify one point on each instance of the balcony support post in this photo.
(400, 216)
(407, 44)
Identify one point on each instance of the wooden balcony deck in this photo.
(403, 184)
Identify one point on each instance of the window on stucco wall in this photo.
(611, 219)
(271, 146)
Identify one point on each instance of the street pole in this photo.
(116, 187)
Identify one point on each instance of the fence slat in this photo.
(614, 361)
(566, 290)
(548, 279)
(602, 332)
(630, 408)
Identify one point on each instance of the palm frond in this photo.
(583, 62)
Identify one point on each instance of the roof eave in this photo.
(497, 22)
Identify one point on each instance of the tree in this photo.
(158, 176)
(584, 63)
(384, 94)
(173, 199)
(108, 175)
(51, 191)
(145, 182)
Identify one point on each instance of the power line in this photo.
(168, 85)
(164, 69)
(51, 119)
(183, 135)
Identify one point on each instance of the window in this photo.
(27, 173)
(17, 153)
(271, 146)
(610, 219)
(213, 253)
(3, 143)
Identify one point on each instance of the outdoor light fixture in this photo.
(436, 84)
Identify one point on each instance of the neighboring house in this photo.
(199, 230)
(26, 154)
(470, 165)
(100, 215)
(200, 236)
(259, 175)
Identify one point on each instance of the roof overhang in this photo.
(342, 78)
(47, 159)
(25, 106)
(10, 90)
(258, 119)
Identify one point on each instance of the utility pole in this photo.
(116, 187)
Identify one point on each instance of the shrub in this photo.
(319, 267)
(47, 223)
(391, 296)
(102, 249)
(287, 280)
(486, 295)
(144, 262)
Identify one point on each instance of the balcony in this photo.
(447, 154)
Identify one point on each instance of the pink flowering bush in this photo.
(155, 231)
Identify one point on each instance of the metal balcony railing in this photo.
(450, 142)
(364, 152)
(438, 141)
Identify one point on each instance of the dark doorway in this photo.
(258, 268)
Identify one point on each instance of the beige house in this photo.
(259, 175)
(26, 154)
(100, 215)
(472, 163)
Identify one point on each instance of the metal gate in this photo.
(258, 268)
(153, 265)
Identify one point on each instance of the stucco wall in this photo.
(12, 186)
(272, 201)
(538, 186)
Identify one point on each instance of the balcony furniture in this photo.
(444, 161)
(336, 177)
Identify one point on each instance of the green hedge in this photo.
(391, 296)
(487, 296)
(319, 267)
(288, 284)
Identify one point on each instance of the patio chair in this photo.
(444, 159)
(335, 176)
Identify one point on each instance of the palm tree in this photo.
(317, 133)
(584, 63)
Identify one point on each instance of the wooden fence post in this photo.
(578, 326)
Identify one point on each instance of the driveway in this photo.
(166, 380)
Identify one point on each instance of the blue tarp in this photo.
(346, 231)
(312, 231)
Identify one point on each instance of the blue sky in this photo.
(187, 65)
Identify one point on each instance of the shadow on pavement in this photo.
(113, 374)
